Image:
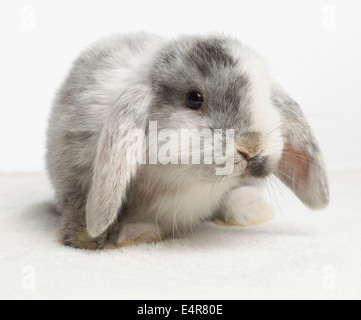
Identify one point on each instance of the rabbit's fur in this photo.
(131, 82)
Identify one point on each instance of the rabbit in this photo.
(146, 83)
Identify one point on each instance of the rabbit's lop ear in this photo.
(112, 168)
(301, 166)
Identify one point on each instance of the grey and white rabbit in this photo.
(214, 82)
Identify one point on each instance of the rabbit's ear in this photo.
(112, 168)
(301, 166)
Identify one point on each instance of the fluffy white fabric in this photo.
(301, 254)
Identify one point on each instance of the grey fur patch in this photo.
(259, 167)
(78, 137)
(203, 65)
(209, 56)
(295, 123)
(166, 94)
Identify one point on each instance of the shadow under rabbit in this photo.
(43, 218)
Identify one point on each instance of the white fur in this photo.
(265, 118)
(246, 207)
(182, 206)
(190, 205)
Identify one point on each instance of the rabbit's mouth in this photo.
(257, 167)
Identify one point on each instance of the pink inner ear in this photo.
(295, 167)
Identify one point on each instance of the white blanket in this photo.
(301, 254)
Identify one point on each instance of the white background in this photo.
(314, 48)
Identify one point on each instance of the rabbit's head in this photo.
(222, 90)
(208, 85)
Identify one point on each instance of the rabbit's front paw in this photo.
(138, 233)
(80, 239)
(244, 207)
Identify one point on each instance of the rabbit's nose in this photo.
(250, 145)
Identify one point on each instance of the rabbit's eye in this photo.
(195, 100)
